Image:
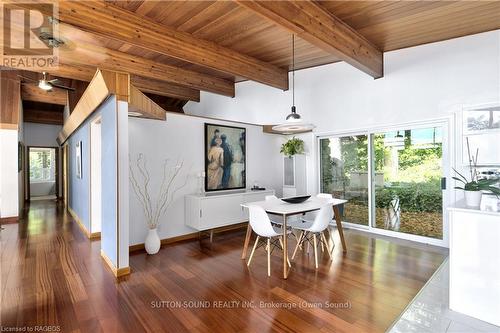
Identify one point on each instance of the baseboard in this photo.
(117, 272)
(190, 236)
(91, 236)
(9, 220)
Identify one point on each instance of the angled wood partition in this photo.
(143, 106)
(103, 84)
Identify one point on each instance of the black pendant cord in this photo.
(293, 70)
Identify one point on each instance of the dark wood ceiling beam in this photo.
(311, 22)
(165, 89)
(157, 87)
(107, 59)
(43, 117)
(110, 21)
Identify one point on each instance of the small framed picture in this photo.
(79, 160)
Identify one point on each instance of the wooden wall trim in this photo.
(117, 272)
(9, 220)
(86, 232)
(190, 236)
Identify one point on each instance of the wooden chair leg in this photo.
(269, 257)
(253, 250)
(247, 241)
(315, 250)
(298, 244)
(287, 260)
(326, 245)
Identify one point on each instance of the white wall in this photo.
(39, 189)
(9, 187)
(182, 137)
(42, 135)
(95, 177)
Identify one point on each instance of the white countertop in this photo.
(486, 208)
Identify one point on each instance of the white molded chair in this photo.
(275, 219)
(261, 225)
(309, 216)
(314, 230)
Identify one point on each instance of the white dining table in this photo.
(279, 207)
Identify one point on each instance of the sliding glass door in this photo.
(344, 174)
(408, 172)
(391, 179)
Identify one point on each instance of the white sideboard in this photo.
(205, 212)
(475, 262)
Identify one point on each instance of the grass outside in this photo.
(427, 224)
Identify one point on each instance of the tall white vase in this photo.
(473, 198)
(153, 243)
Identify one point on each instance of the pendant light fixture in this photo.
(293, 123)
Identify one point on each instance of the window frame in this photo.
(447, 156)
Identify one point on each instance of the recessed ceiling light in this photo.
(134, 114)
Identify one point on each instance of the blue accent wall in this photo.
(79, 189)
(79, 195)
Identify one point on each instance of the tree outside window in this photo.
(42, 164)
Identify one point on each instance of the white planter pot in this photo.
(473, 198)
(152, 243)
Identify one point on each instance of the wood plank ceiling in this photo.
(389, 25)
(241, 34)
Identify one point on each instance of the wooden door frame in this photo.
(65, 171)
(28, 188)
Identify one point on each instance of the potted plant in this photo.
(154, 208)
(292, 147)
(472, 188)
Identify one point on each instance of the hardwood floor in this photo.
(51, 274)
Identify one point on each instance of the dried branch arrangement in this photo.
(155, 208)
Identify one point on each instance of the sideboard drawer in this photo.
(215, 212)
(208, 212)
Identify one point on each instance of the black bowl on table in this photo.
(296, 200)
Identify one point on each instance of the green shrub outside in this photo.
(413, 197)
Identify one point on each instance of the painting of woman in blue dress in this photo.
(225, 150)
